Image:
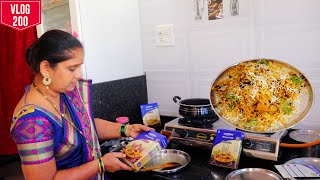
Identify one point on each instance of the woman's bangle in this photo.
(101, 166)
(100, 170)
(126, 130)
(122, 130)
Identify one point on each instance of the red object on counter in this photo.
(122, 120)
(303, 145)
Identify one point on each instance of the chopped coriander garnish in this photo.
(286, 107)
(234, 98)
(297, 80)
(252, 122)
(263, 62)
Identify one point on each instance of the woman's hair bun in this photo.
(53, 46)
(31, 56)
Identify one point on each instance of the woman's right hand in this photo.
(112, 163)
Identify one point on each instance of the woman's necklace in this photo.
(65, 117)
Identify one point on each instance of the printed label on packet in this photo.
(150, 114)
(20, 15)
(145, 146)
(154, 136)
(227, 148)
(225, 135)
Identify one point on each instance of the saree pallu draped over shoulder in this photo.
(41, 136)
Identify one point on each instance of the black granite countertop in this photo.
(199, 167)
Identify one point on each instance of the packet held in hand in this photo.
(143, 148)
(227, 148)
(150, 114)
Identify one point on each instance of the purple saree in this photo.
(41, 136)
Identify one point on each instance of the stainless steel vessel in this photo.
(306, 99)
(253, 174)
(169, 156)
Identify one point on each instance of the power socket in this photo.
(164, 35)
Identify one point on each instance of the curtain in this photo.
(15, 74)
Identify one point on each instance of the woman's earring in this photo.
(46, 81)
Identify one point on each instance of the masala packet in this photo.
(143, 148)
(227, 148)
(150, 114)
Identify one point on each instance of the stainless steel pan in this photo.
(169, 156)
(253, 173)
(306, 95)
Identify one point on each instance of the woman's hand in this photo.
(133, 130)
(112, 163)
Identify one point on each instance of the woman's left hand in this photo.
(133, 130)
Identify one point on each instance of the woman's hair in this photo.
(54, 46)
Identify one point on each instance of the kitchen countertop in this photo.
(199, 167)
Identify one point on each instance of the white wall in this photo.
(288, 30)
(111, 38)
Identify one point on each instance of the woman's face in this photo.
(67, 73)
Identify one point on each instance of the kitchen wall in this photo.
(110, 32)
(111, 37)
(288, 30)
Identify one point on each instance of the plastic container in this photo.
(118, 143)
(122, 120)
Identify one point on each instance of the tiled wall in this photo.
(120, 98)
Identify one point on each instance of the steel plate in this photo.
(305, 160)
(253, 174)
(306, 96)
(305, 135)
(169, 156)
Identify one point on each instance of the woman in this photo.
(53, 126)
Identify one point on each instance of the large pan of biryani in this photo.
(261, 95)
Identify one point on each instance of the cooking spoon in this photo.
(162, 166)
